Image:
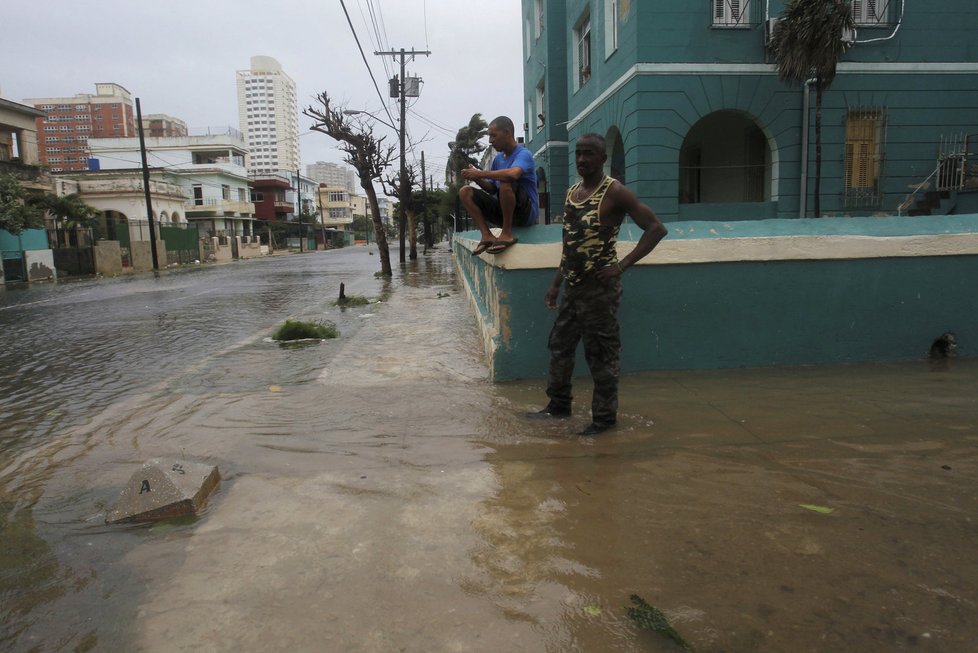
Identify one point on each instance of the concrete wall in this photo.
(108, 257)
(748, 294)
(39, 264)
(141, 254)
(248, 247)
(218, 253)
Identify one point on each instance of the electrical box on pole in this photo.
(412, 87)
(395, 87)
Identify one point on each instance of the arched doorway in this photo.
(116, 226)
(615, 165)
(725, 158)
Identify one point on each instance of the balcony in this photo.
(25, 173)
(210, 207)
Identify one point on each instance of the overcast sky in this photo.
(180, 58)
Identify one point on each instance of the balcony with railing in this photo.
(208, 206)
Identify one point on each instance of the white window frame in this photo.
(610, 27)
(870, 12)
(731, 13)
(583, 52)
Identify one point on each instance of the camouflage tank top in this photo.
(588, 245)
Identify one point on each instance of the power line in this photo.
(373, 32)
(365, 62)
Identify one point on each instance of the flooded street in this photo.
(379, 494)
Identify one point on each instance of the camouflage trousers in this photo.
(588, 312)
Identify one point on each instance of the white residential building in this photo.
(210, 170)
(269, 117)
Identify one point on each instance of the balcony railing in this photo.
(211, 205)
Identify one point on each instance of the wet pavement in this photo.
(380, 495)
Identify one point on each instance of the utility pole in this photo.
(298, 207)
(424, 208)
(322, 218)
(149, 201)
(402, 191)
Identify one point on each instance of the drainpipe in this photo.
(805, 111)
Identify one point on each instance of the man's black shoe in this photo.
(594, 428)
(550, 412)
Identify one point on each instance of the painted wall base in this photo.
(748, 294)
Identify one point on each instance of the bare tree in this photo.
(406, 207)
(365, 152)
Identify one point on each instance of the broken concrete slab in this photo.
(163, 489)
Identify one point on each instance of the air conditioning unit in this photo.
(769, 26)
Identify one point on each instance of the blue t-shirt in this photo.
(521, 157)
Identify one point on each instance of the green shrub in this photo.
(299, 330)
(352, 300)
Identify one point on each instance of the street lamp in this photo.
(354, 112)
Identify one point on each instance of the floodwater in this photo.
(379, 494)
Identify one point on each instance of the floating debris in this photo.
(352, 300)
(299, 330)
(822, 510)
(651, 618)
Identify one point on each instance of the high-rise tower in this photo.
(269, 116)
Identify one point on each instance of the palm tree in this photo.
(71, 213)
(807, 43)
(465, 147)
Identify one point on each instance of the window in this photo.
(582, 59)
(257, 197)
(864, 157)
(731, 13)
(870, 12)
(225, 191)
(610, 27)
(541, 118)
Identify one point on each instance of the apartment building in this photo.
(69, 122)
(333, 174)
(268, 116)
(157, 125)
(700, 127)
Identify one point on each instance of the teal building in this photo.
(700, 127)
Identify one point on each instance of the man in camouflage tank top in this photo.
(593, 212)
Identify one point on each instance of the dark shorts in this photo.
(491, 211)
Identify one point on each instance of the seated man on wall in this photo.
(507, 192)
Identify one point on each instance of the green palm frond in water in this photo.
(650, 617)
